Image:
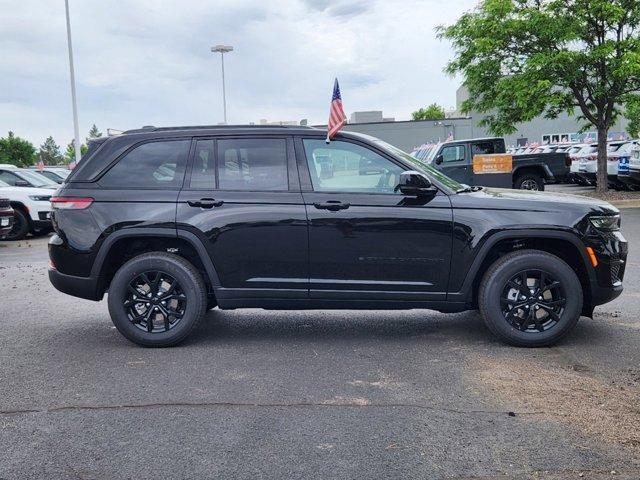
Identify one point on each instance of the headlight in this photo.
(609, 222)
(40, 198)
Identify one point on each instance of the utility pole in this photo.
(76, 129)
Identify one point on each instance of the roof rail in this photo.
(151, 128)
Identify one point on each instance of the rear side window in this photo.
(150, 165)
(487, 147)
(252, 164)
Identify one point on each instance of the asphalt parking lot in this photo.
(340, 394)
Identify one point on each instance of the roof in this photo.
(220, 128)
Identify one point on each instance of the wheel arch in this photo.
(538, 169)
(564, 244)
(122, 245)
(17, 205)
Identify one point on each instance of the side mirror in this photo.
(22, 183)
(438, 160)
(415, 184)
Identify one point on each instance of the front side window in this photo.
(150, 165)
(453, 153)
(347, 167)
(253, 164)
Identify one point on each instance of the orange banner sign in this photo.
(494, 163)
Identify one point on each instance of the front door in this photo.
(456, 164)
(365, 240)
(242, 197)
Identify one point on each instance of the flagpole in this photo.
(76, 129)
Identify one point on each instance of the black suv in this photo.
(175, 221)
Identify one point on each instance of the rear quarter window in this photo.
(152, 165)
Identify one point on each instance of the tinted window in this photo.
(150, 165)
(8, 178)
(252, 164)
(203, 172)
(453, 153)
(487, 147)
(348, 167)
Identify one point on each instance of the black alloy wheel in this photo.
(533, 301)
(530, 298)
(155, 301)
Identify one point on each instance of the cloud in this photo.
(141, 62)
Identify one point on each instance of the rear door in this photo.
(242, 198)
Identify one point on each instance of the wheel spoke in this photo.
(554, 316)
(551, 286)
(146, 290)
(553, 303)
(522, 289)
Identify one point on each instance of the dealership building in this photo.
(409, 134)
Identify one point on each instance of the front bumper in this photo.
(6, 222)
(611, 250)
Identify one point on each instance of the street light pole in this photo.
(222, 49)
(76, 129)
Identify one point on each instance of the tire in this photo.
(529, 181)
(505, 319)
(190, 299)
(20, 226)
(40, 232)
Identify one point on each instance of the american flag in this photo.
(337, 118)
(40, 165)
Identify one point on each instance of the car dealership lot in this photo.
(337, 394)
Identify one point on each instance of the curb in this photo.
(626, 203)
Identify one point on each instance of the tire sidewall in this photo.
(21, 219)
(496, 283)
(118, 292)
(530, 176)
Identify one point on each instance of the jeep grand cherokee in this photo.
(174, 221)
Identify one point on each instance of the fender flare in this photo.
(190, 237)
(543, 168)
(466, 291)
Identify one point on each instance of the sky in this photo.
(148, 62)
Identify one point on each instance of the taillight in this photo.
(71, 203)
(612, 159)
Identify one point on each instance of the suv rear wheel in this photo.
(530, 298)
(156, 299)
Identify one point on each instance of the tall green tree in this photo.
(17, 151)
(632, 113)
(94, 133)
(432, 112)
(522, 59)
(70, 152)
(50, 152)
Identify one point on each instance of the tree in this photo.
(632, 112)
(70, 152)
(94, 133)
(50, 152)
(521, 59)
(17, 151)
(432, 112)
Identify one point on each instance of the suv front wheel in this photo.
(530, 298)
(156, 299)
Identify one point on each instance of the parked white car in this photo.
(23, 177)
(56, 174)
(32, 210)
(588, 168)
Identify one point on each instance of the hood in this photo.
(523, 200)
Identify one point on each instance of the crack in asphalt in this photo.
(328, 404)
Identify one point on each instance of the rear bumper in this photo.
(6, 216)
(82, 287)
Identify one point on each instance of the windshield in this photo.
(420, 164)
(35, 179)
(626, 148)
(61, 172)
